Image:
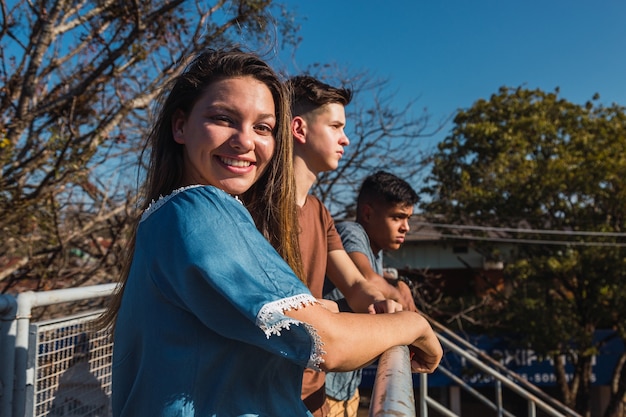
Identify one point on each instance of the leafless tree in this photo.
(383, 135)
(77, 80)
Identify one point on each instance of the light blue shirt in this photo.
(342, 385)
(201, 329)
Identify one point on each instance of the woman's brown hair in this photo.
(271, 200)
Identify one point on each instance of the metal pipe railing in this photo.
(392, 394)
(8, 332)
(474, 392)
(516, 388)
(533, 390)
(17, 376)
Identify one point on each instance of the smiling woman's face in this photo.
(228, 136)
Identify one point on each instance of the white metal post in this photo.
(8, 331)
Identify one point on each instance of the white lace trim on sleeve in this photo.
(271, 319)
(155, 205)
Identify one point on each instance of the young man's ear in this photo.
(298, 129)
(366, 213)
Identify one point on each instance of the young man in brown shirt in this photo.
(318, 121)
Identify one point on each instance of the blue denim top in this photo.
(201, 329)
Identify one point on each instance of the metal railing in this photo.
(61, 367)
(392, 394)
(18, 340)
(502, 376)
(72, 368)
(41, 361)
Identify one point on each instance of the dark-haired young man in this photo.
(384, 205)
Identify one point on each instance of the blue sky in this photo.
(447, 54)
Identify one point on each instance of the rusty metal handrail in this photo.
(392, 394)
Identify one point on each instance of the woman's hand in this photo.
(423, 362)
(426, 353)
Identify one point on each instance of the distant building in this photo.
(453, 257)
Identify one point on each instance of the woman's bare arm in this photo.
(352, 340)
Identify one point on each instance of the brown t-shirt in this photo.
(317, 238)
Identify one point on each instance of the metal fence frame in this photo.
(392, 394)
(551, 407)
(72, 368)
(16, 373)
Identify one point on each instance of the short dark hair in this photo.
(308, 93)
(383, 187)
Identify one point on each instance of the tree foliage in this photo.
(527, 159)
(77, 81)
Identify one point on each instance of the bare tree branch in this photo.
(77, 80)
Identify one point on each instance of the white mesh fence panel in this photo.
(72, 368)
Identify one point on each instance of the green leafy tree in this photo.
(76, 82)
(527, 159)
